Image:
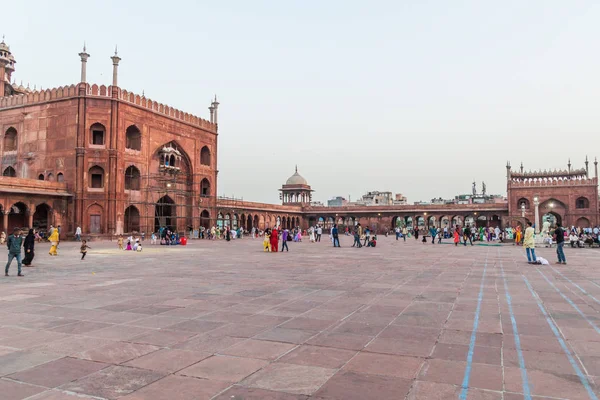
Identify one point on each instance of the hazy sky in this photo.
(416, 97)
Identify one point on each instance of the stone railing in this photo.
(553, 182)
(34, 185)
(64, 92)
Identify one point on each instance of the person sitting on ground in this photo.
(372, 242)
(128, 245)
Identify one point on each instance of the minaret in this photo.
(84, 57)
(115, 59)
(521, 166)
(586, 167)
(212, 113)
(569, 164)
(215, 105)
(596, 167)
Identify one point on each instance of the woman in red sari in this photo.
(274, 240)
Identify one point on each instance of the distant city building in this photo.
(377, 198)
(400, 199)
(337, 201)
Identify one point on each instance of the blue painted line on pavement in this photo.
(570, 302)
(580, 374)
(465, 382)
(576, 285)
(524, 378)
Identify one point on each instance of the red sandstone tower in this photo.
(102, 158)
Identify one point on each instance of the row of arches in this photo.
(18, 216)
(133, 141)
(50, 177)
(259, 221)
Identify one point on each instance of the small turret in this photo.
(7, 67)
(587, 172)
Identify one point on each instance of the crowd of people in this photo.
(577, 237)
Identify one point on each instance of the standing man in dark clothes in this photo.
(14, 244)
(467, 235)
(336, 236)
(559, 236)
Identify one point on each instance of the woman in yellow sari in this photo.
(53, 238)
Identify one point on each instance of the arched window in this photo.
(97, 132)
(134, 138)
(132, 178)
(205, 156)
(41, 177)
(582, 202)
(10, 139)
(132, 219)
(60, 177)
(172, 161)
(523, 203)
(96, 177)
(205, 188)
(50, 177)
(10, 171)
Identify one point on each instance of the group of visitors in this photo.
(363, 238)
(18, 242)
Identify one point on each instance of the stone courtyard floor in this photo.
(218, 320)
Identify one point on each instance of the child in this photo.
(128, 245)
(372, 242)
(120, 242)
(153, 237)
(139, 248)
(84, 249)
(424, 239)
(267, 242)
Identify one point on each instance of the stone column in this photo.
(5, 222)
(30, 220)
(536, 202)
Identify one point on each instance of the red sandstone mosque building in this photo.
(110, 161)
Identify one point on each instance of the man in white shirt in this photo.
(319, 233)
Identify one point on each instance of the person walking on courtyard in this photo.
(433, 233)
(529, 243)
(274, 240)
(319, 233)
(28, 245)
(284, 240)
(397, 230)
(467, 235)
(267, 241)
(311, 233)
(53, 239)
(456, 235)
(367, 235)
(227, 234)
(84, 248)
(404, 233)
(440, 234)
(2, 237)
(416, 233)
(120, 242)
(518, 235)
(356, 237)
(78, 234)
(14, 244)
(336, 236)
(559, 237)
